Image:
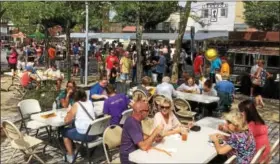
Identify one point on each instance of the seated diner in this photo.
(115, 104)
(189, 86)
(83, 113)
(97, 91)
(66, 97)
(240, 142)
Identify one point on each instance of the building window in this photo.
(205, 13)
(238, 59)
(273, 61)
(247, 59)
(223, 12)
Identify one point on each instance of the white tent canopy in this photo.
(149, 36)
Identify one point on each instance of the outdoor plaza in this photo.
(51, 150)
(140, 82)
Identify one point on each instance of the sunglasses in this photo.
(165, 107)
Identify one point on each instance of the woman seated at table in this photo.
(83, 113)
(240, 143)
(189, 86)
(256, 126)
(53, 72)
(65, 97)
(167, 118)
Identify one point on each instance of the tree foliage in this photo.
(263, 15)
(150, 13)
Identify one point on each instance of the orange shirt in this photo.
(51, 52)
(225, 70)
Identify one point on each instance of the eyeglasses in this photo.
(165, 107)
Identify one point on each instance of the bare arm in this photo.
(65, 102)
(147, 143)
(71, 114)
(221, 149)
(97, 97)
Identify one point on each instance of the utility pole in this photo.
(86, 56)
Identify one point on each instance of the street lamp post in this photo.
(86, 56)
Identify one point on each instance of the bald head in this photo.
(140, 106)
(140, 110)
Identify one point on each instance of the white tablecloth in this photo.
(197, 97)
(210, 122)
(196, 149)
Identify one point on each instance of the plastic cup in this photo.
(184, 134)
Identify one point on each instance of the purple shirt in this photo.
(114, 106)
(132, 134)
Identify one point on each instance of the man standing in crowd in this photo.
(160, 67)
(125, 65)
(110, 62)
(215, 64)
(198, 66)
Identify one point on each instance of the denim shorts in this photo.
(73, 134)
(124, 76)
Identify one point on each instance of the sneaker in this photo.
(69, 158)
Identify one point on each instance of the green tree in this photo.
(144, 15)
(263, 15)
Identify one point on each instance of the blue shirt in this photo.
(215, 64)
(161, 66)
(96, 89)
(225, 86)
(75, 50)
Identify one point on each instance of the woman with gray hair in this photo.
(165, 88)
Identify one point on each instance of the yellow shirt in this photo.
(225, 70)
(125, 64)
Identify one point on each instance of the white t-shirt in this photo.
(166, 89)
(184, 87)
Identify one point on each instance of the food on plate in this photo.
(49, 115)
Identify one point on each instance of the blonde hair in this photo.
(237, 119)
(168, 101)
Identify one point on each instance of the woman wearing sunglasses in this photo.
(167, 118)
(240, 143)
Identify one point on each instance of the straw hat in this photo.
(237, 119)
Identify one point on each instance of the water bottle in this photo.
(54, 106)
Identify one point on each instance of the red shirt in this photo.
(110, 61)
(260, 133)
(198, 61)
(25, 79)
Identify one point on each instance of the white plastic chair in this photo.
(273, 151)
(26, 108)
(111, 141)
(26, 144)
(231, 160)
(125, 115)
(258, 155)
(97, 127)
